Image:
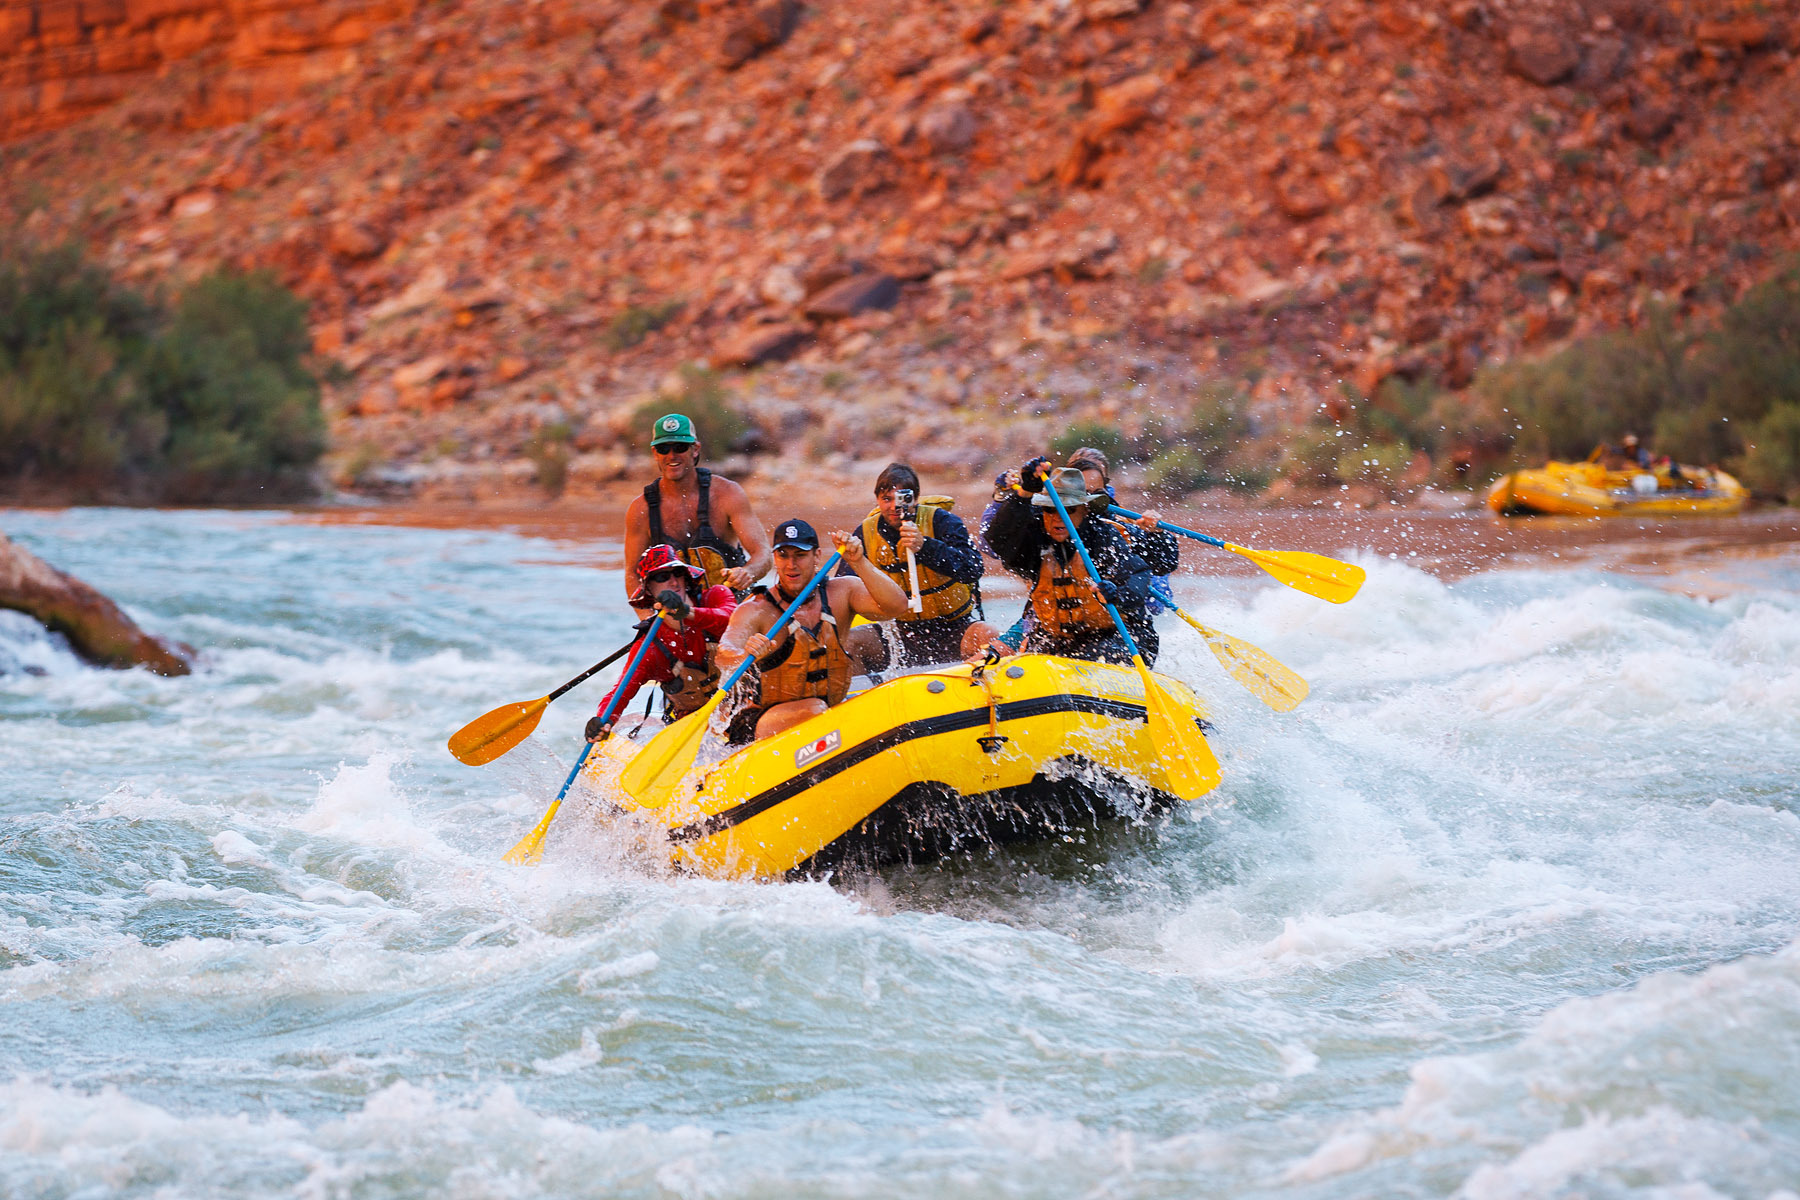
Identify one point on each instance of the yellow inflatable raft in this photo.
(1589, 490)
(917, 767)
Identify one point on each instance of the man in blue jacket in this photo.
(1067, 608)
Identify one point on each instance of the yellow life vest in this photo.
(809, 665)
(940, 596)
(1063, 605)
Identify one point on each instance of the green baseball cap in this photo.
(672, 427)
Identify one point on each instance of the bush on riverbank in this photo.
(106, 394)
(1728, 393)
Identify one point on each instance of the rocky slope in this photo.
(898, 224)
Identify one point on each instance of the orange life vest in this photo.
(939, 595)
(1063, 604)
(809, 665)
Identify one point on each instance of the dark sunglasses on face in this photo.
(669, 575)
(673, 448)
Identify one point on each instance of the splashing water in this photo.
(1507, 909)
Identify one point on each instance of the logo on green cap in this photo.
(673, 427)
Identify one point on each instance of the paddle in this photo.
(1314, 574)
(1276, 685)
(650, 777)
(1187, 761)
(492, 734)
(531, 846)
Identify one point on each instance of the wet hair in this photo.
(1086, 458)
(897, 475)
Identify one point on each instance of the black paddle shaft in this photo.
(604, 663)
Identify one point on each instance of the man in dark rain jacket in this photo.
(1065, 614)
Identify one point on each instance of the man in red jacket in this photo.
(682, 660)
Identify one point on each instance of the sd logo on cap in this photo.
(796, 533)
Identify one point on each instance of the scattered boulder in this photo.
(854, 170)
(763, 28)
(1301, 196)
(1651, 119)
(759, 344)
(1742, 34)
(947, 127)
(1118, 109)
(96, 628)
(355, 241)
(857, 294)
(1541, 54)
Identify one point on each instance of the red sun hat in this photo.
(660, 558)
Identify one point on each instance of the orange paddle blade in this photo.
(492, 734)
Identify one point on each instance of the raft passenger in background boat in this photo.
(705, 517)
(683, 658)
(939, 625)
(1067, 609)
(807, 670)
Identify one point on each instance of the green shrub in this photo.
(639, 321)
(1772, 463)
(1178, 471)
(229, 371)
(707, 402)
(1311, 456)
(1097, 434)
(1379, 463)
(107, 394)
(549, 452)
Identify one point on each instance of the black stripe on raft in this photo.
(1016, 710)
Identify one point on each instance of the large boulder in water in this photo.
(96, 627)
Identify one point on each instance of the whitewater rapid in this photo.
(1510, 907)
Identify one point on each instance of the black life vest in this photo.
(704, 548)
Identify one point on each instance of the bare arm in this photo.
(637, 540)
(871, 593)
(751, 620)
(734, 506)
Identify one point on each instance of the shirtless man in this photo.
(706, 517)
(804, 669)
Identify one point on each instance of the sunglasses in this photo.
(666, 575)
(673, 448)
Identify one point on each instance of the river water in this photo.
(1509, 908)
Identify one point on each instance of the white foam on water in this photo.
(1456, 922)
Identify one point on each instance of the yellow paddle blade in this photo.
(1186, 758)
(531, 847)
(1314, 574)
(650, 777)
(1269, 680)
(492, 734)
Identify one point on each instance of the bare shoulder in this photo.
(730, 492)
(637, 510)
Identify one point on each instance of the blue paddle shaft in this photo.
(631, 667)
(1198, 537)
(1075, 536)
(587, 748)
(782, 620)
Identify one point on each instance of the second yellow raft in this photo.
(1589, 490)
